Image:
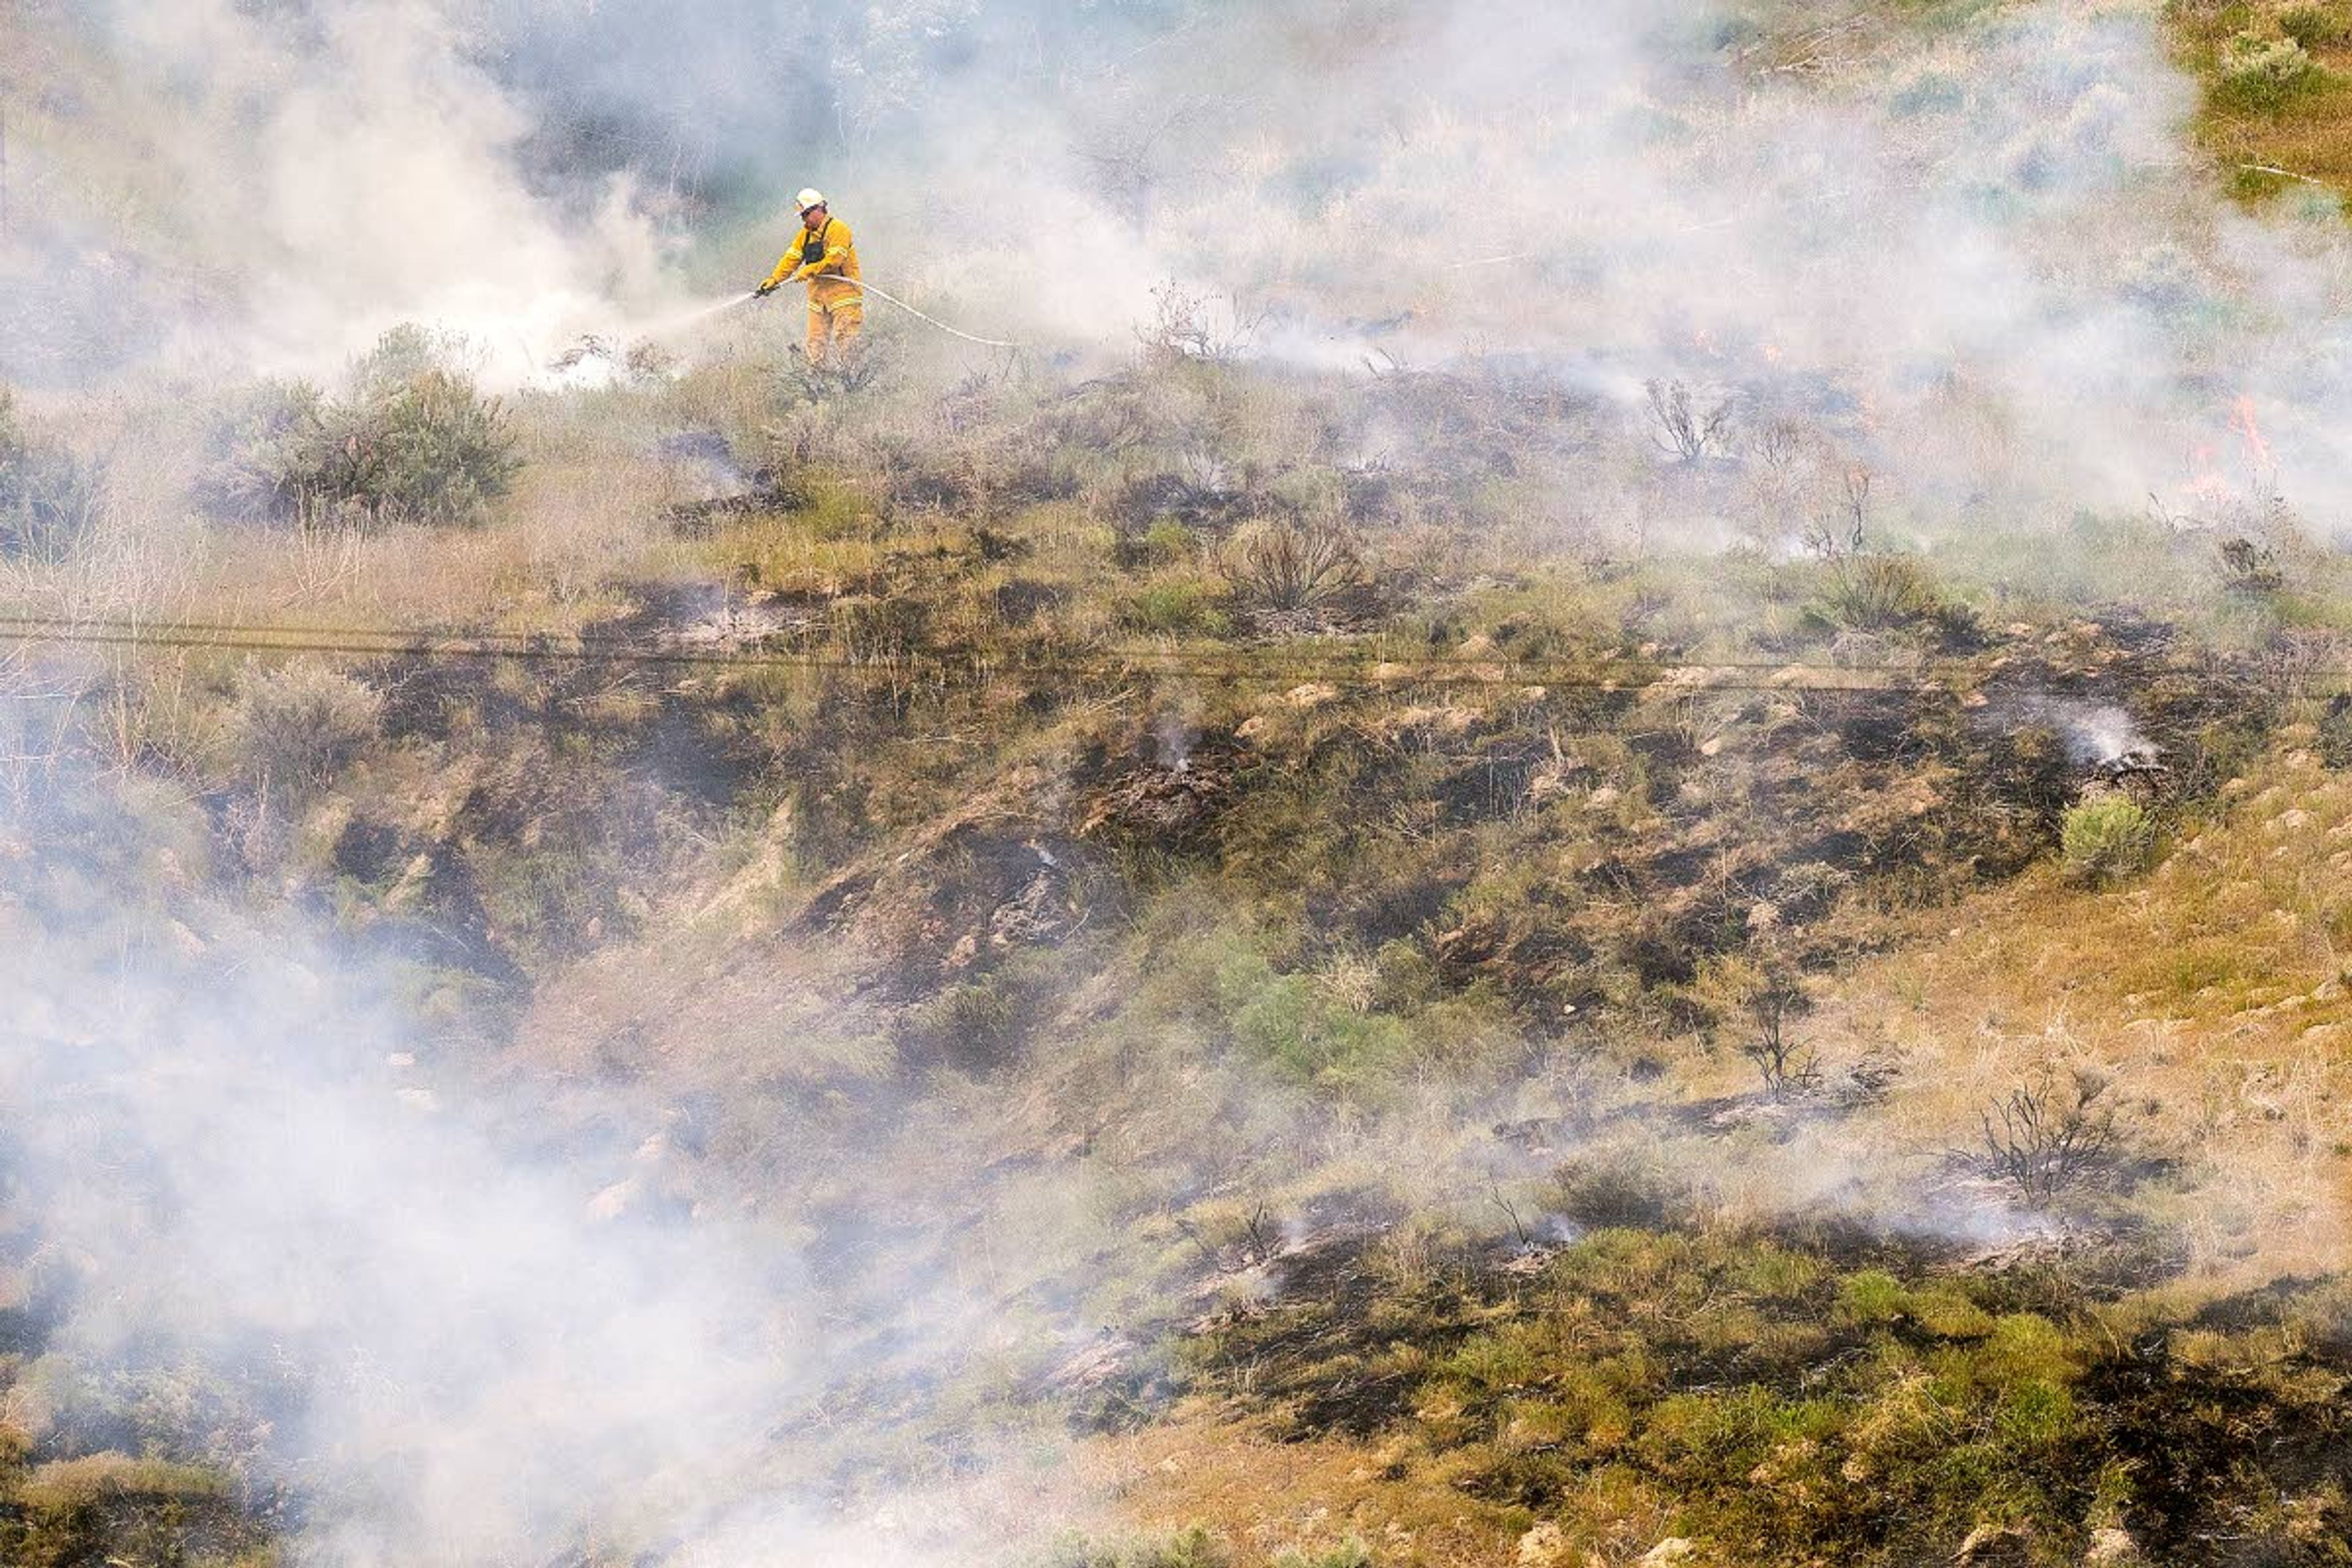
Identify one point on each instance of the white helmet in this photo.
(808, 199)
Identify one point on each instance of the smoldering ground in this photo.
(486, 1309)
(271, 1223)
(246, 1179)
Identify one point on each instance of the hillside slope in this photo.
(1587, 919)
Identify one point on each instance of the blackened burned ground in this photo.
(1818, 1395)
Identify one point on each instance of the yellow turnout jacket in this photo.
(824, 257)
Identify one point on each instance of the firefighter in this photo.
(826, 260)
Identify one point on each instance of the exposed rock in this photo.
(2112, 1548)
(1545, 1546)
(1990, 1544)
(1314, 694)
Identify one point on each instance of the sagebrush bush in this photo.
(411, 440)
(2107, 839)
(2266, 73)
(299, 725)
(48, 498)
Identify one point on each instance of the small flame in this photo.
(2205, 487)
(2243, 423)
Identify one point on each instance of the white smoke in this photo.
(2001, 226)
(472, 1364)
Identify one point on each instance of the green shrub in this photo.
(1177, 608)
(433, 451)
(48, 498)
(1283, 1020)
(1873, 1296)
(2316, 25)
(2259, 73)
(410, 441)
(272, 455)
(1168, 539)
(1349, 1553)
(301, 724)
(2107, 839)
(1875, 591)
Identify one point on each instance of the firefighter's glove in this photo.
(764, 290)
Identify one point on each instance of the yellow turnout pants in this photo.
(832, 332)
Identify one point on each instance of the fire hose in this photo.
(866, 287)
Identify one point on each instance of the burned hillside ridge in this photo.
(935, 880)
(899, 957)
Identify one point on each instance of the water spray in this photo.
(594, 346)
(866, 288)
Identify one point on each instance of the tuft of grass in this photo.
(1180, 606)
(1193, 1547)
(2316, 25)
(2107, 840)
(1873, 591)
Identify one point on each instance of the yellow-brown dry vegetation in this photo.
(2277, 107)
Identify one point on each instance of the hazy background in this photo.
(1998, 227)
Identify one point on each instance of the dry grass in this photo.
(2275, 143)
(1267, 1496)
(2212, 995)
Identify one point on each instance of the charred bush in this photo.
(2336, 732)
(2044, 1137)
(2251, 569)
(1680, 427)
(1787, 1069)
(1622, 1191)
(1021, 600)
(1297, 564)
(1150, 514)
